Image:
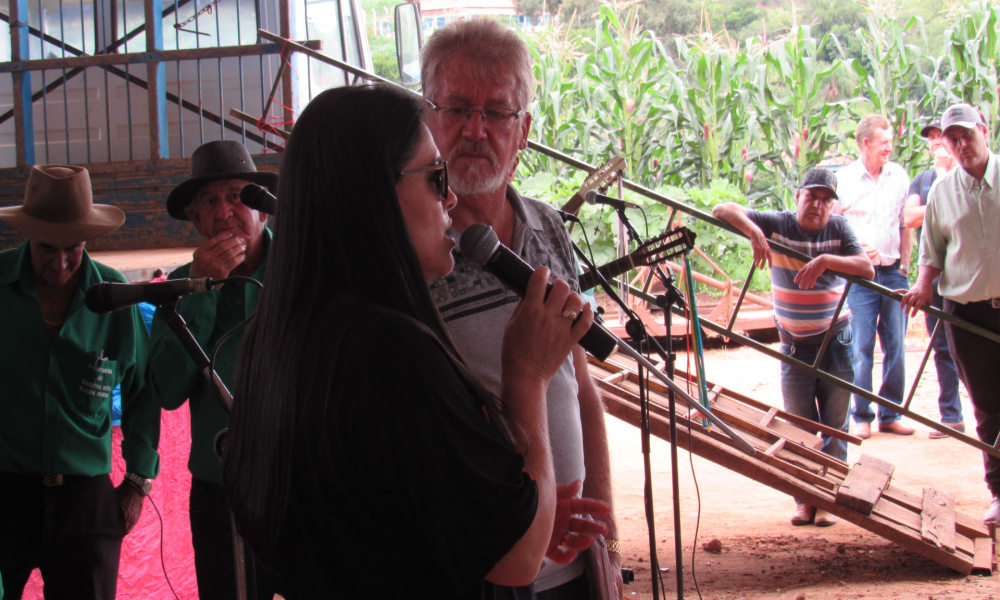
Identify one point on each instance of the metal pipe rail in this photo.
(763, 348)
(775, 246)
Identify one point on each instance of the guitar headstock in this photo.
(600, 180)
(665, 246)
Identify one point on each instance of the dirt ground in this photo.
(763, 555)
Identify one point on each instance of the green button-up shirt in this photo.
(55, 411)
(173, 376)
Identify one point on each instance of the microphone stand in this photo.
(179, 326)
(637, 331)
(670, 297)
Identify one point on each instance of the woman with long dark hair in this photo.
(364, 460)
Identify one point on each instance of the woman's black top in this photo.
(400, 486)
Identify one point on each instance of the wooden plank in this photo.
(910, 519)
(937, 519)
(768, 417)
(715, 393)
(795, 419)
(752, 417)
(958, 561)
(970, 527)
(864, 484)
(775, 447)
(983, 560)
(731, 458)
(796, 454)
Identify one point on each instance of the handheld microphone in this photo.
(480, 245)
(107, 297)
(592, 197)
(258, 198)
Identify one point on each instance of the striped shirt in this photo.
(803, 316)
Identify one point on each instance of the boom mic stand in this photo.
(636, 330)
(179, 326)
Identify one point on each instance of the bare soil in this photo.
(763, 555)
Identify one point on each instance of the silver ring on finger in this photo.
(569, 314)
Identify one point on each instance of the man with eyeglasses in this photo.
(960, 247)
(477, 81)
(806, 295)
(235, 243)
(872, 194)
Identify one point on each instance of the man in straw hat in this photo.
(235, 242)
(59, 363)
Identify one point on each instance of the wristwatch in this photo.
(139, 483)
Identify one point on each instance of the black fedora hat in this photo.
(216, 161)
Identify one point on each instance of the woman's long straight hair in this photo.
(340, 239)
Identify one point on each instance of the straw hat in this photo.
(217, 161)
(59, 208)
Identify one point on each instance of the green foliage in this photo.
(384, 57)
(728, 251)
(795, 108)
(973, 47)
(707, 120)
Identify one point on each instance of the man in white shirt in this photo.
(959, 245)
(872, 192)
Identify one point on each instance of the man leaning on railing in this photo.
(806, 296)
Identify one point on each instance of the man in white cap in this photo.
(960, 246)
(58, 509)
(235, 242)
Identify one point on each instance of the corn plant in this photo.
(972, 47)
(889, 71)
(716, 126)
(797, 110)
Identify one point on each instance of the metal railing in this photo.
(120, 80)
(813, 369)
(278, 50)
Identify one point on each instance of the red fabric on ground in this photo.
(140, 575)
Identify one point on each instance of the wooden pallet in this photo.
(788, 459)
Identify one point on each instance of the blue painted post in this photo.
(24, 122)
(156, 72)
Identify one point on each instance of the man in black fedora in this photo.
(235, 243)
(59, 363)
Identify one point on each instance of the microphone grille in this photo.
(97, 299)
(252, 195)
(591, 197)
(478, 242)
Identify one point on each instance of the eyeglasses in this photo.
(453, 114)
(440, 176)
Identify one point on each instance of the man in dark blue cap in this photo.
(949, 402)
(236, 242)
(805, 297)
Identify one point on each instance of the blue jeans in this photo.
(815, 399)
(949, 403)
(871, 312)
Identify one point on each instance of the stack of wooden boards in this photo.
(788, 459)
